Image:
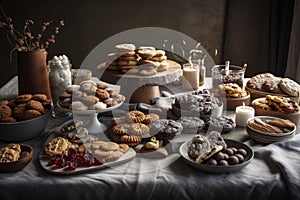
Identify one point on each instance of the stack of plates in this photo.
(265, 137)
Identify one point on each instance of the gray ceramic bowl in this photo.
(24, 130)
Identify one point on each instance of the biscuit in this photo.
(31, 114)
(150, 118)
(258, 80)
(107, 156)
(78, 105)
(19, 110)
(8, 120)
(40, 97)
(57, 146)
(123, 148)
(290, 87)
(88, 87)
(120, 129)
(35, 105)
(125, 47)
(23, 98)
(89, 100)
(5, 112)
(102, 94)
(110, 102)
(135, 116)
(131, 140)
(139, 129)
(72, 88)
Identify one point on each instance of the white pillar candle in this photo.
(242, 114)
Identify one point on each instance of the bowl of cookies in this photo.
(277, 106)
(15, 157)
(24, 117)
(266, 129)
(233, 95)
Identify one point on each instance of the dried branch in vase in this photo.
(26, 40)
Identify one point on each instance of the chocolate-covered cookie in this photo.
(221, 124)
(165, 129)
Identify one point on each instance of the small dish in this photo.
(19, 164)
(232, 103)
(265, 137)
(218, 169)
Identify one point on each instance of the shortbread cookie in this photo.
(135, 116)
(146, 47)
(121, 129)
(160, 53)
(130, 58)
(146, 53)
(131, 140)
(57, 146)
(290, 87)
(127, 62)
(159, 58)
(139, 129)
(151, 118)
(99, 106)
(125, 47)
(23, 98)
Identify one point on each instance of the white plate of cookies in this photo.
(62, 157)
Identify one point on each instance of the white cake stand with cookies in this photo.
(90, 117)
(137, 88)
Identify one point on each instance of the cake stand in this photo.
(138, 88)
(90, 117)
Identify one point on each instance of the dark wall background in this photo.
(87, 23)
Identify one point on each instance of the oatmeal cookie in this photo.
(9, 120)
(35, 105)
(19, 110)
(5, 112)
(23, 98)
(40, 97)
(105, 146)
(57, 145)
(135, 116)
(102, 94)
(31, 114)
(290, 87)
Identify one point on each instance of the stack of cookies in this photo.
(130, 129)
(145, 60)
(89, 95)
(24, 107)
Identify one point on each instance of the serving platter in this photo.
(218, 169)
(44, 159)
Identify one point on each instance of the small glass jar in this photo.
(60, 76)
(235, 74)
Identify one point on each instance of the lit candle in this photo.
(242, 114)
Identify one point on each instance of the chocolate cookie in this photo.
(215, 139)
(198, 147)
(5, 112)
(192, 123)
(165, 129)
(221, 124)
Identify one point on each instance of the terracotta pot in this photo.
(33, 72)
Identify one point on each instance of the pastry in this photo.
(282, 123)
(165, 129)
(135, 116)
(198, 147)
(258, 80)
(221, 124)
(263, 127)
(215, 139)
(57, 146)
(290, 87)
(272, 86)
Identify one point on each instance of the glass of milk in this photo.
(190, 76)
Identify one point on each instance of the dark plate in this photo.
(218, 169)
